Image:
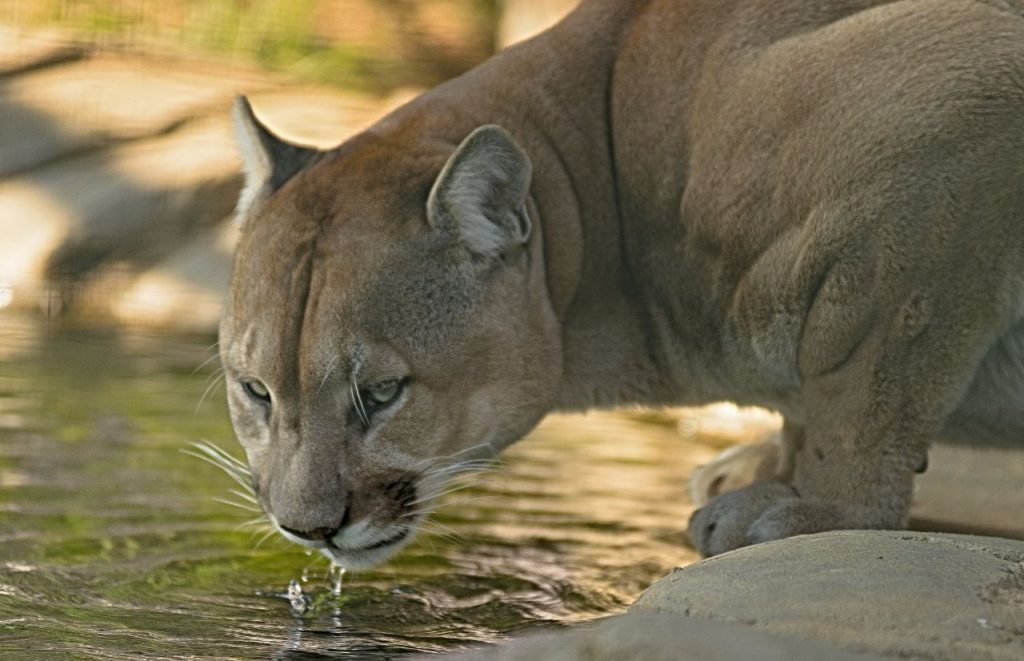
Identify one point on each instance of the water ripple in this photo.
(113, 544)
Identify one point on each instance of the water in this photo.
(113, 543)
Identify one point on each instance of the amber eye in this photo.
(383, 393)
(257, 390)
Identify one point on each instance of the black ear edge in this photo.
(268, 160)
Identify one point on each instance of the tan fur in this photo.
(816, 207)
(735, 468)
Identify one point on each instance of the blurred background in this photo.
(118, 175)
(117, 167)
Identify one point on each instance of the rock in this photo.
(521, 19)
(971, 488)
(184, 292)
(126, 208)
(65, 110)
(23, 50)
(122, 164)
(889, 593)
(314, 116)
(658, 638)
(837, 595)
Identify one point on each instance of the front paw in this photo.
(727, 522)
(767, 511)
(735, 468)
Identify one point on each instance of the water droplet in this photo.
(336, 574)
(298, 600)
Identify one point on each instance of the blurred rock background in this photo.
(118, 175)
(118, 172)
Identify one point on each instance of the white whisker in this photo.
(330, 368)
(242, 476)
(466, 499)
(428, 496)
(241, 506)
(206, 362)
(264, 538)
(357, 401)
(220, 458)
(435, 529)
(261, 523)
(456, 470)
(246, 496)
(215, 374)
(206, 393)
(471, 448)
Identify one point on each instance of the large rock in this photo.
(23, 49)
(522, 19)
(659, 638)
(972, 488)
(898, 594)
(838, 595)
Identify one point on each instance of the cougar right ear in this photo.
(267, 160)
(480, 195)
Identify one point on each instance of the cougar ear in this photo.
(480, 194)
(267, 160)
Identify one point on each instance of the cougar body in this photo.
(816, 207)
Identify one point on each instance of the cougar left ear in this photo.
(267, 160)
(480, 194)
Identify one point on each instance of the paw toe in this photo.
(722, 525)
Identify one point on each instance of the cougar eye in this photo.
(257, 390)
(381, 394)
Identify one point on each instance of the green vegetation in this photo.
(373, 45)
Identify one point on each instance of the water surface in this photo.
(113, 543)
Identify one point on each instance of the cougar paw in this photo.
(726, 523)
(804, 516)
(735, 468)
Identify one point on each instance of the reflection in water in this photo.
(113, 541)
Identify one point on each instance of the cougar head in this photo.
(388, 324)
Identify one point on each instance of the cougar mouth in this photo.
(387, 541)
(365, 557)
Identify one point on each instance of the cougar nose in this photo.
(321, 534)
(314, 535)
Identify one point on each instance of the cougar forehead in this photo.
(326, 291)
